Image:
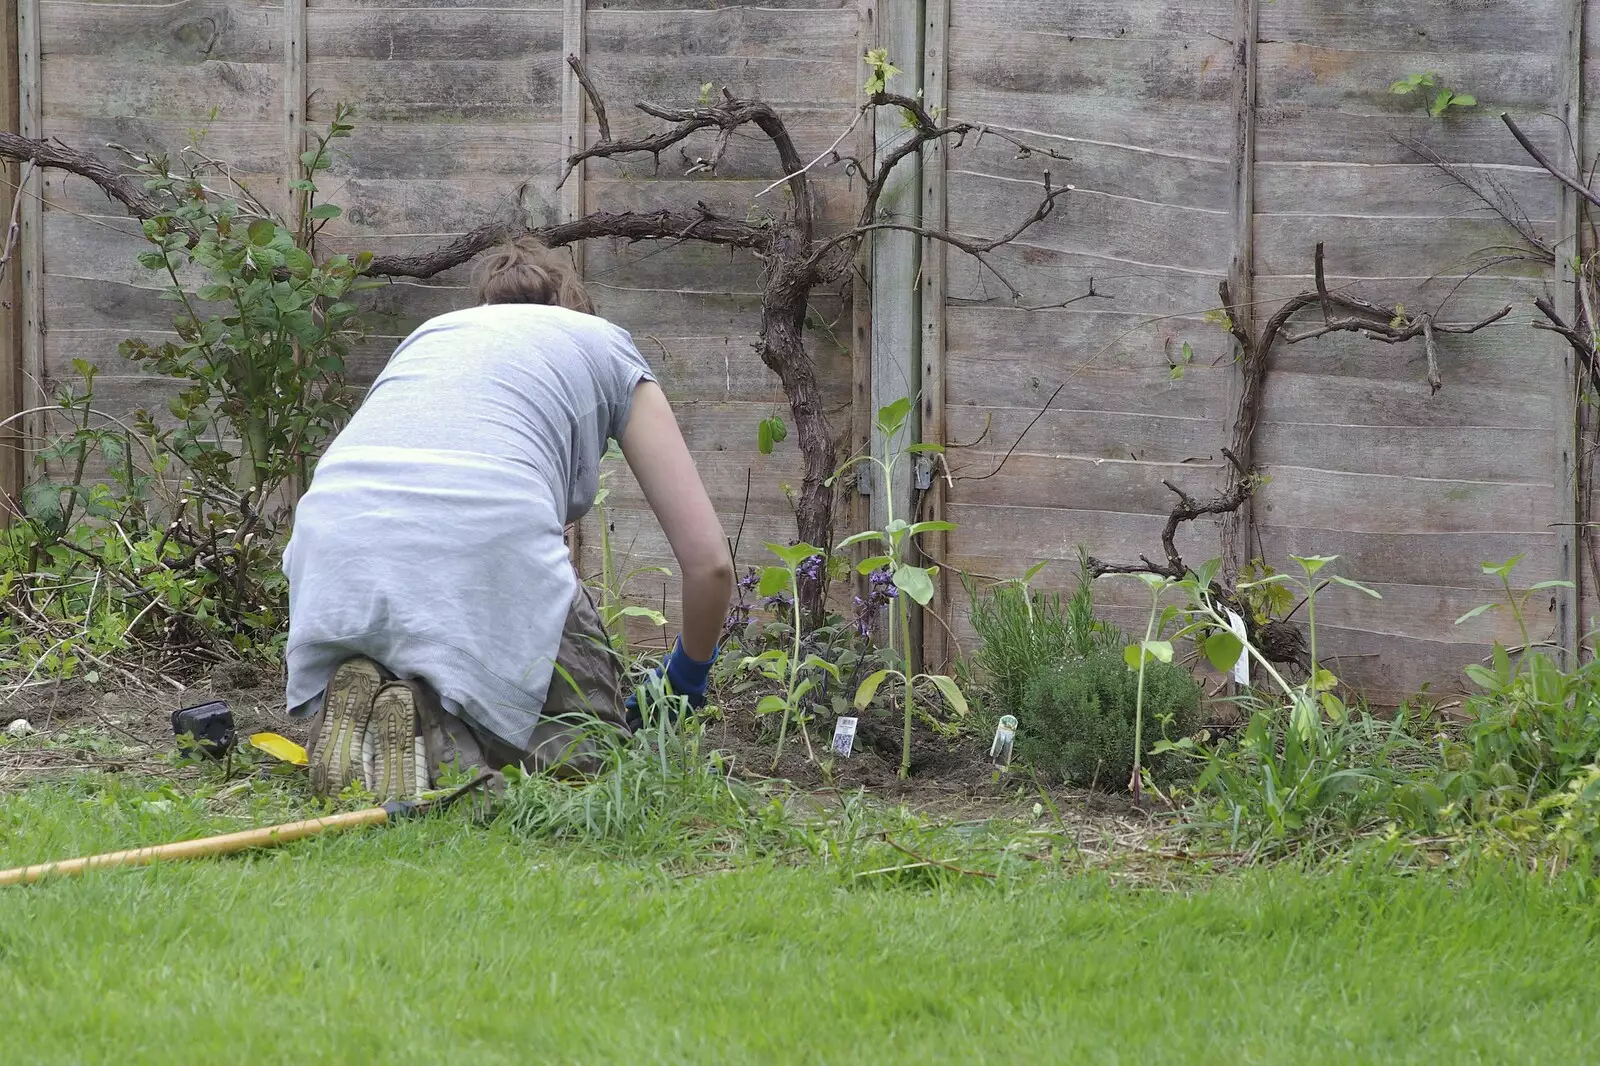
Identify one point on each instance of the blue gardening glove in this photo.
(684, 677)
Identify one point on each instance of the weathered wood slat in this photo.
(181, 34)
(798, 81)
(81, 87)
(1418, 557)
(1390, 247)
(404, 34)
(1086, 483)
(1149, 391)
(433, 151)
(1194, 71)
(1412, 190)
(1416, 26)
(625, 6)
(1394, 504)
(685, 37)
(1106, 20)
(443, 90)
(1109, 223)
(1056, 533)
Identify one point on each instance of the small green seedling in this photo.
(787, 668)
(894, 541)
(1439, 99)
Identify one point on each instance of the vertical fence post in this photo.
(935, 46)
(295, 91)
(573, 139)
(573, 132)
(1569, 536)
(1236, 527)
(896, 364)
(29, 266)
(861, 292)
(12, 450)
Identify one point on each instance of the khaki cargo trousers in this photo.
(583, 711)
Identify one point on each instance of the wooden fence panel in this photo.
(1063, 423)
(1064, 419)
(694, 310)
(1413, 489)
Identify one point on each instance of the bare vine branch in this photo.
(700, 225)
(1544, 161)
(595, 103)
(978, 249)
(1187, 509)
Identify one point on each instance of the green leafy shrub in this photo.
(1273, 789)
(1025, 632)
(164, 535)
(1077, 718)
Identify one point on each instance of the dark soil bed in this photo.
(948, 774)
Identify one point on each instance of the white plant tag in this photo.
(1005, 731)
(1241, 669)
(844, 737)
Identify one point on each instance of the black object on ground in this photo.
(210, 725)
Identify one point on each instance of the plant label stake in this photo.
(1241, 668)
(844, 737)
(1005, 732)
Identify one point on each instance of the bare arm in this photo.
(659, 459)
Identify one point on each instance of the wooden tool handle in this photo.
(266, 837)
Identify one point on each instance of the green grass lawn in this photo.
(432, 942)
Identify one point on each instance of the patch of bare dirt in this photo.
(950, 775)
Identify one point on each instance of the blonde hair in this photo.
(524, 271)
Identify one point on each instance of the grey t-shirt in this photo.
(431, 537)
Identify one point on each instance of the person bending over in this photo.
(435, 616)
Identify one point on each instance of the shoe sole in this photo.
(347, 709)
(399, 765)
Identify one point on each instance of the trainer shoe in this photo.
(346, 709)
(398, 768)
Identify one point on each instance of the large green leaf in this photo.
(876, 562)
(42, 500)
(860, 538)
(869, 689)
(822, 664)
(1482, 608)
(1223, 649)
(892, 416)
(1501, 569)
(298, 262)
(794, 554)
(951, 692)
(916, 582)
(774, 579)
(261, 232)
(1358, 586)
(1137, 654)
(771, 705)
(653, 617)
